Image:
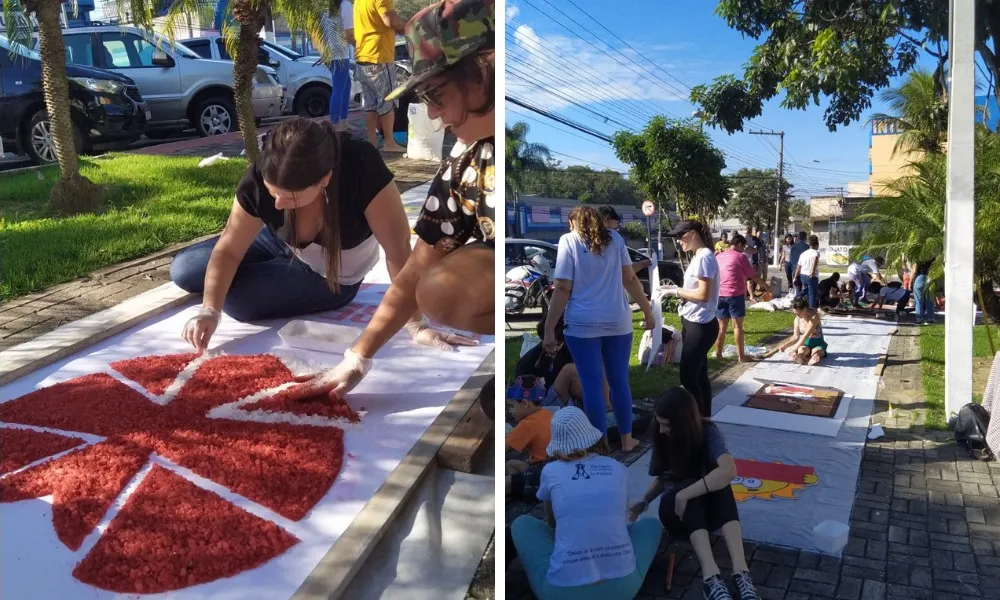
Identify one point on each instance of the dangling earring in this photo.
(326, 198)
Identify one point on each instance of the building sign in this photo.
(883, 127)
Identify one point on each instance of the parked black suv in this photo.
(106, 107)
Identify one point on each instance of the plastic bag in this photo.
(425, 136)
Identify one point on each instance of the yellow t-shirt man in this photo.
(376, 41)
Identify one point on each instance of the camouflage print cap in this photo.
(442, 34)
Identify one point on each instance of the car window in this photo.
(512, 252)
(123, 51)
(202, 48)
(548, 253)
(79, 49)
(222, 49)
(401, 52)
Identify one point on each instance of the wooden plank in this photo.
(72, 337)
(332, 576)
(466, 446)
(884, 357)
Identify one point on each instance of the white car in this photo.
(306, 80)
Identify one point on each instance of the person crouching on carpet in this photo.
(806, 345)
(526, 445)
(585, 549)
(446, 278)
(562, 381)
(693, 469)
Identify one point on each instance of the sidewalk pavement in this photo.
(30, 316)
(925, 524)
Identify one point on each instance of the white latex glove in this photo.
(669, 291)
(335, 382)
(422, 333)
(199, 328)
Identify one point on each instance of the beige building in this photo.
(883, 165)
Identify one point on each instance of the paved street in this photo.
(925, 526)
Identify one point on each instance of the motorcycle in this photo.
(528, 286)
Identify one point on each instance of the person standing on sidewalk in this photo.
(734, 273)
(700, 295)
(786, 258)
(807, 272)
(375, 27)
(593, 271)
(922, 298)
(798, 248)
(338, 31)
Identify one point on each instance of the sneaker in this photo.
(714, 588)
(745, 586)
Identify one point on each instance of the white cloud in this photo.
(511, 11)
(554, 62)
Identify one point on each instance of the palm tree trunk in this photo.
(251, 18)
(72, 193)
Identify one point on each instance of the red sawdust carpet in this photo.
(171, 534)
(19, 447)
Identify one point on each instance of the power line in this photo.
(558, 118)
(547, 124)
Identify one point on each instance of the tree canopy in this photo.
(675, 160)
(754, 192)
(844, 51)
(582, 183)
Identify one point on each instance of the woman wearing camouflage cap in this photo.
(449, 275)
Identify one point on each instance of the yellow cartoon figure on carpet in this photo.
(766, 481)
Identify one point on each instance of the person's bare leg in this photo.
(515, 466)
(703, 550)
(371, 123)
(567, 384)
(388, 120)
(738, 334)
(733, 534)
(457, 292)
(720, 341)
(817, 355)
(801, 356)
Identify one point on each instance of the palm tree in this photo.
(72, 193)
(919, 112)
(909, 221)
(520, 156)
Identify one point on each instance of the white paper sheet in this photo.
(402, 396)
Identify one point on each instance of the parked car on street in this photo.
(105, 107)
(181, 89)
(307, 83)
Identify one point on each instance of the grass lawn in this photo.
(150, 202)
(758, 326)
(932, 368)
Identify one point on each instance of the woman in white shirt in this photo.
(585, 549)
(593, 270)
(700, 295)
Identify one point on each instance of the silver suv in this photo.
(307, 83)
(181, 89)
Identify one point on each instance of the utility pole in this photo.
(777, 204)
(960, 211)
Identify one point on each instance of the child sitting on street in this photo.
(526, 446)
(806, 344)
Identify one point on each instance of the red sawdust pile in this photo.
(320, 405)
(19, 447)
(172, 534)
(155, 373)
(285, 467)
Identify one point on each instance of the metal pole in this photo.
(960, 212)
(777, 204)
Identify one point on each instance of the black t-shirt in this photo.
(361, 176)
(713, 446)
(924, 267)
(534, 362)
(825, 286)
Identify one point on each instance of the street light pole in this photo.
(777, 203)
(960, 212)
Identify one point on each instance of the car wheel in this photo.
(215, 116)
(41, 144)
(313, 102)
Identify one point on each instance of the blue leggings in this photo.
(595, 358)
(340, 96)
(534, 540)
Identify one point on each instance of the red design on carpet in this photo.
(285, 467)
(20, 447)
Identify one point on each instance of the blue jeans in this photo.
(810, 288)
(923, 300)
(340, 96)
(788, 274)
(596, 358)
(270, 283)
(534, 540)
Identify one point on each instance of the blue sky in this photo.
(682, 40)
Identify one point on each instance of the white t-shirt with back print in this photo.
(703, 266)
(809, 262)
(597, 304)
(589, 502)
